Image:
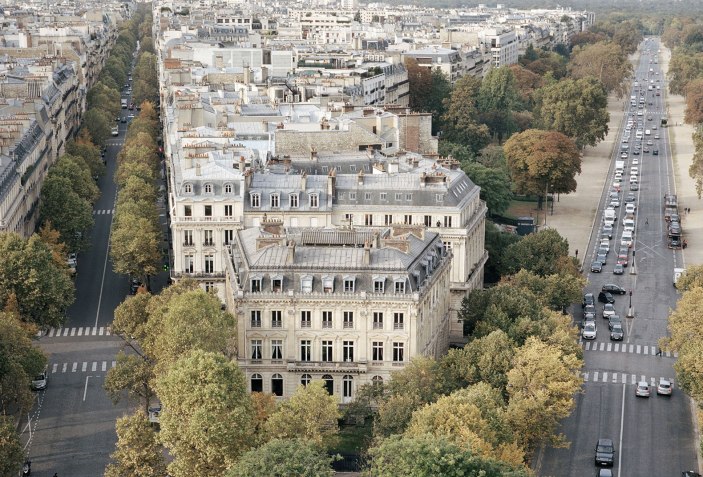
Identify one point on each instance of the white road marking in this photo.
(104, 366)
(74, 367)
(95, 366)
(84, 368)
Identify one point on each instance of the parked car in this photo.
(664, 387)
(614, 320)
(589, 330)
(589, 309)
(614, 289)
(642, 389)
(608, 310)
(617, 333)
(606, 297)
(596, 267)
(588, 299)
(40, 380)
(605, 452)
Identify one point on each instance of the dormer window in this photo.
(187, 188)
(255, 200)
(208, 188)
(277, 283)
(293, 199)
(275, 201)
(349, 284)
(228, 188)
(255, 284)
(379, 284)
(306, 284)
(314, 201)
(328, 284)
(399, 285)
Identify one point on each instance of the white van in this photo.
(634, 170)
(609, 214)
(633, 180)
(626, 239)
(628, 224)
(647, 132)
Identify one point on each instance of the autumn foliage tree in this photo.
(694, 102)
(605, 61)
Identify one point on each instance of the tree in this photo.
(691, 279)
(459, 120)
(138, 170)
(497, 99)
(75, 170)
(543, 253)
(11, 455)
(135, 246)
(138, 453)
(541, 386)
(694, 102)
(39, 287)
(84, 148)
(684, 67)
(207, 414)
(685, 321)
(485, 360)
(428, 90)
(98, 123)
(52, 238)
(695, 170)
(496, 242)
(285, 458)
(428, 456)
(556, 291)
(310, 414)
(576, 108)
(132, 373)
(71, 215)
(526, 83)
(541, 162)
(136, 190)
(20, 361)
(472, 418)
(494, 184)
(605, 61)
(193, 320)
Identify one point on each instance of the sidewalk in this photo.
(680, 138)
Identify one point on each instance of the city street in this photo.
(655, 435)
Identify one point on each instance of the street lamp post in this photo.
(630, 313)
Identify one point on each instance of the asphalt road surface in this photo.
(653, 436)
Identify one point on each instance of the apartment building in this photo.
(501, 45)
(345, 305)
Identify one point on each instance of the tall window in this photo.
(329, 384)
(229, 236)
(327, 350)
(305, 319)
(293, 198)
(275, 202)
(256, 350)
(314, 201)
(255, 285)
(398, 321)
(256, 318)
(327, 319)
(229, 212)
(277, 283)
(408, 219)
(255, 200)
(187, 210)
(188, 261)
(305, 379)
(348, 319)
(188, 189)
(277, 385)
(305, 350)
(208, 188)
(398, 352)
(276, 350)
(399, 286)
(208, 237)
(447, 220)
(209, 264)
(377, 320)
(257, 383)
(276, 319)
(388, 219)
(347, 386)
(208, 211)
(228, 188)
(306, 284)
(377, 351)
(348, 351)
(368, 219)
(187, 237)
(328, 284)
(349, 285)
(428, 221)
(378, 285)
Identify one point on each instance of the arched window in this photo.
(277, 385)
(377, 381)
(188, 188)
(305, 379)
(228, 188)
(208, 188)
(329, 383)
(347, 387)
(257, 383)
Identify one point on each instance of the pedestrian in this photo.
(577, 253)
(685, 244)
(646, 221)
(659, 351)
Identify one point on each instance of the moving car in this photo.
(39, 381)
(602, 257)
(618, 269)
(614, 289)
(605, 452)
(642, 389)
(606, 297)
(617, 333)
(664, 387)
(115, 131)
(596, 267)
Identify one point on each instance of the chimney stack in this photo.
(290, 257)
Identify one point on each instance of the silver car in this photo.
(664, 387)
(642, 389)
(39, 381)
(589, 330)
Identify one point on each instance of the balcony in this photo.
(327, 366)
(205, 219)
(186, 274)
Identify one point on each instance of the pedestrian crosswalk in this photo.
(103, 211)
(610, 347)
(82, 367)
(620, 378)
(76, 331)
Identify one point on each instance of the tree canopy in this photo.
(138, 452)
(284, 457)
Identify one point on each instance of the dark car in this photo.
(134, 285)
(589, 310)
(617, 333)
(690, 473)
(614, 289)
(614, 320)
(588, 299)
(606, 297)
(596, 267)
(655, 152)
(631, 197)
(605, 452)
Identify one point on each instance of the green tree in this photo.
(497, 100)
(428, 90)
(485, 360)
(693, 277)
(71, 215)
(541, 387)
(494, 183)
(284, 457)
(429, 456)
(39, 288)
(11, 455)
(459, 120)
(75, 170)
(98, 123)
(695, 170)
(576, 108)
(556, 291)
(694, 102)
(541, 162)
(605, 61)
(136, 190)
(544, 253)
(496, 242)
(84, 148)
(138, 452)
(135, 246)
(207, 414)
(310, 414)
(134, 374)
(20, 361)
